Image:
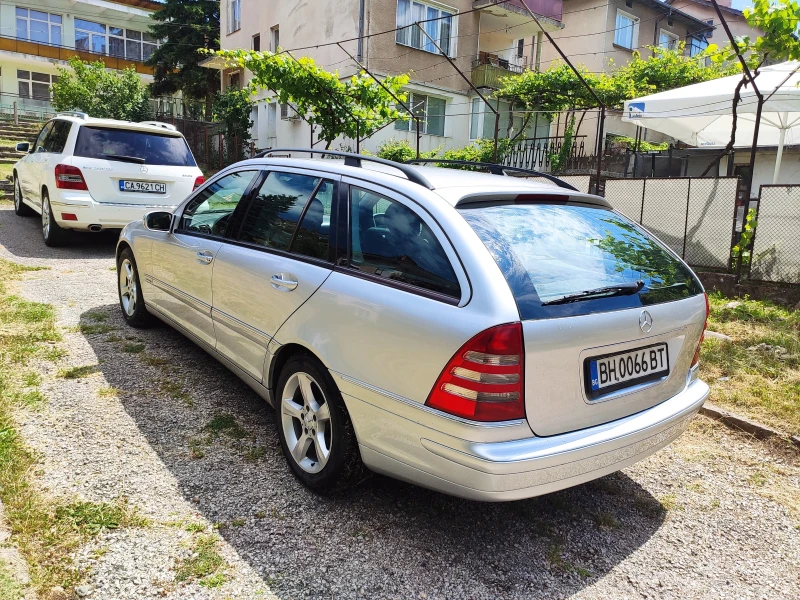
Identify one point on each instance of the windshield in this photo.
(551, 252)
(125, 145)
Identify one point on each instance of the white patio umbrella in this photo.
(700, 114)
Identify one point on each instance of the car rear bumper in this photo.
(511, 470)
(109, 215)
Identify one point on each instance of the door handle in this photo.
(204, 257)
(281, 284)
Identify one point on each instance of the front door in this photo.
(184, 260)
(280, 258)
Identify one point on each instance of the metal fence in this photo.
(579, 182)
(776, 245)
(693, 216)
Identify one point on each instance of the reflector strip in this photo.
(496, 378)
(491, 359)
(480, 396)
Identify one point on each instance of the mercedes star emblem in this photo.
(645, 322)
(143, 169)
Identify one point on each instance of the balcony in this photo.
(10, 44)
(489, 69)
(549, 9)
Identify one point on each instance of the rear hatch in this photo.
(594, 357)
(135, 165)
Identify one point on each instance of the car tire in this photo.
(131, 300)
(20, 208)
(315, 429)
(53, 233)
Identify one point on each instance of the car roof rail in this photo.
(354, 160)
(495, 169)
(161, 124)
(73, 113)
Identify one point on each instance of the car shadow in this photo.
(384, 538)
(22, 237)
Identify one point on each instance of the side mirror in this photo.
(158, 221)
(24, 147)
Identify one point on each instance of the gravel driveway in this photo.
(163, 424)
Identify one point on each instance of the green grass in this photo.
(77, 372)
(94, 328)
(46, 531)
(133, 348)
(96, 315)
(255, 453)
(226, 424)
(761, 384)
(9, 588)
(204, 563)
(176, 392)
(109, 392)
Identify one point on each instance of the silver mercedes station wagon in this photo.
(485, 335)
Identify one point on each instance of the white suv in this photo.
(92, 174)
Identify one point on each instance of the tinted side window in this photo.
(106, 143)
(275, 209)
(57, 139)
(313, 233)
(389, 240)
(41, 140)
(211, 210)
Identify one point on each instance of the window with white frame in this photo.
(439, 23)
(234, 15)
(626, 33)
(429, 110)
(482, 120)
(275, 38)
(129, 44)
(667, 40)
(35, 85)
(38, 26)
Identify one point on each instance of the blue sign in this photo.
(635, 110)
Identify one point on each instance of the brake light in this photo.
(198, 182)
(484, 380)
(696, 358)
(70, 178)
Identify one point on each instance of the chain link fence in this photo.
(776, 245)
(693, 216)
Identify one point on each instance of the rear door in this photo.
(281, 257)
(138, 167)
(30, 170)
(591, 358)
(183, 260)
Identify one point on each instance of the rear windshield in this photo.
(109, 143)
(548, 252)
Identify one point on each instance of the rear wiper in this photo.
(622, 289)
(123, 158)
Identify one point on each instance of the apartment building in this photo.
(485, 40)
(38, 36)
(601, 34)
(731, 10)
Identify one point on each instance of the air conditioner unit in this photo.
(288, 112)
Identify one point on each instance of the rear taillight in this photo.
(484, 380)
(696, 358)
(199, 181)
(69, 178)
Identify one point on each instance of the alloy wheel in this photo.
(17, 195)
(127, 287)
(306, 422)
(46, 217)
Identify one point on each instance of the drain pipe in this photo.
(360, 52)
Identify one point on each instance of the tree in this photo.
(91, 88)
(233, 108)
(185, 26)
(356, 107)
(779, 19)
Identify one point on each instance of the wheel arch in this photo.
(121, 246)
(284, 354)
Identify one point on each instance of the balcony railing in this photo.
(11, 44)
(488, 71)
(553, 9)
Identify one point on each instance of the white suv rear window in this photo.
(110, 143)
